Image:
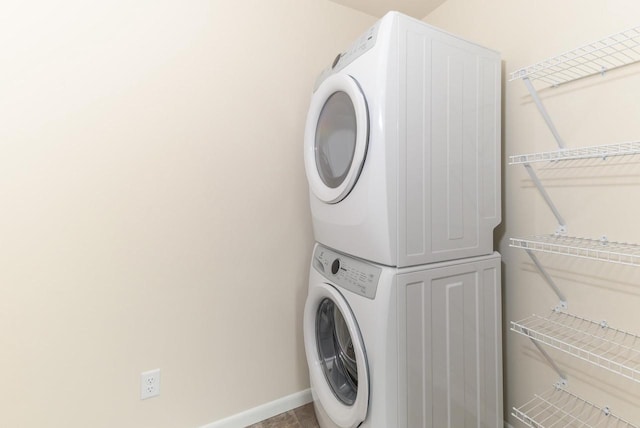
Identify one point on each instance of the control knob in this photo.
(335, 266)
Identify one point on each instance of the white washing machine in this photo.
(404, 348)
(402, 146)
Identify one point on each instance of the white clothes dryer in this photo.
(402, 146)
(404, 348)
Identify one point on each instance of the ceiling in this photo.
(416, 8)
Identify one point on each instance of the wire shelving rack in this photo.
(594, 249)
(592, 152)
(610, 52)
(595, 342)
(560, 408)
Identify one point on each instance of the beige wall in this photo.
(595, 197)
(154, 208)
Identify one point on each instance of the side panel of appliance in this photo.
(450, 346)
(449, 134)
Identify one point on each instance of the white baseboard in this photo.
(265, 411)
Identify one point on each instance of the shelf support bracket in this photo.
(543, 112)
(563, 378)
(562, 225)
(563, 300)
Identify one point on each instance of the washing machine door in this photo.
(336, 355)
(336, 138)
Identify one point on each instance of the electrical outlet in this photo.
(149, 384)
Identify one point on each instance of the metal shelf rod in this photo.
(549, 280)
(543, 112)
(534, 177)
(545, 354)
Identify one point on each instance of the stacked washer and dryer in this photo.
(402, 323)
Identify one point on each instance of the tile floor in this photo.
(301, 417)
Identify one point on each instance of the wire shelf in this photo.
(560, 408)
(594, 249)
(604, 151)
(595, 342)
(608, 53)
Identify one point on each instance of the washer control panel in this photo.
(353, 274)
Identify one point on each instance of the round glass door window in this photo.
(337, 353)
(335, 139)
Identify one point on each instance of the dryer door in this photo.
(337, 360)
(336, 138)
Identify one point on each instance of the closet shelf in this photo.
(594, 249)
(595, 342)
(603, 151)
(560, 408)
(608, 53)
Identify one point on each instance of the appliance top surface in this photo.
(331, 254)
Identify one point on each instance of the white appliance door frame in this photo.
(336, 130)
(344, 416)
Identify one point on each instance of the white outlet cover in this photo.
(149, 384)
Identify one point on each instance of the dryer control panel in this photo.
(360, 46)
(353, 274)
(365, 42)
